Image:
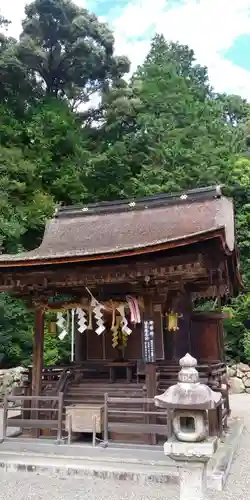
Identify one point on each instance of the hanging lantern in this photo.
(52, 327)
(173, 320)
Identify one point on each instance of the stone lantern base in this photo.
(191, 460)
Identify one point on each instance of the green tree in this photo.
(59, 147)
(18, 86)
(70, 50)
(16, 332)
(165, 130)
(24, 206)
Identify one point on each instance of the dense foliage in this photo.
(164, 129)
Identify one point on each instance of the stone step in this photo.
(142, 463)
(73, 467)
(120, 394)
(108, 384)
(108, 388)
(139, 462)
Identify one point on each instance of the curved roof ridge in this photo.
(147, 202)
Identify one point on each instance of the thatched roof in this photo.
(132, 226)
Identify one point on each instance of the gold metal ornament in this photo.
(52, 327)
(173, 320)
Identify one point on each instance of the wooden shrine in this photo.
(132, 271)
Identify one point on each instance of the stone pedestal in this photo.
(192, 480)
(189, 445)
(191, 460)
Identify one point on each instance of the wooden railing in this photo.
(147, 411)
(56, 381)
(155, 421)
(35, 422)
(62, 383)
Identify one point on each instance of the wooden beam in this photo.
(114, 273)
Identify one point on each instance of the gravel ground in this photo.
(23, 486)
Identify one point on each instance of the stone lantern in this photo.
(189, 444)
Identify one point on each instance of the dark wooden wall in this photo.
(200, 334)
(100, 346)
(90, 346)
(206, 335)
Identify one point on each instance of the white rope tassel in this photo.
(124, 322)
(72, 335)
(62, 325)
(82, 320)
(113, 325)
(90, 323)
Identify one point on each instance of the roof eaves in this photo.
(27, 260)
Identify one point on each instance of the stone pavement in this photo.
(23, 486)
(238, 484)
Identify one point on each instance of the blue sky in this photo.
(217, 30)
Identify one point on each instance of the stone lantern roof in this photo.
(188, 393)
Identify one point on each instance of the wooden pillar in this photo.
(38, 347)
(149, 359)
(149, 346)
(150, 373)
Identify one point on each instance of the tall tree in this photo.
(18, 86)
(70, 50)
(165, 131)
(60, 148)
(24, 206)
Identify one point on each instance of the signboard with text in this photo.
(148, 341)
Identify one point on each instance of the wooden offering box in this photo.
(82, 415)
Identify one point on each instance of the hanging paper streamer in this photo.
(97, 310)
(62, 325)
(133, 305)
(124, 322)
(82, 320)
